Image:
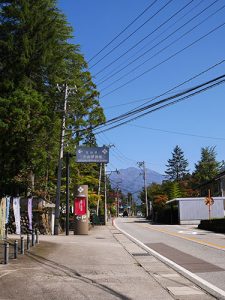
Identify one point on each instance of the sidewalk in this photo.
(105, 264)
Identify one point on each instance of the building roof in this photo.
(177, 200)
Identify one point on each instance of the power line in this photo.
(179, 133)
(163, 61)
(119, 34)
(104, 138)
(143, 107)
(149, 19)
(160, 42)
(167, 20)
(168, 104)
(138, 52)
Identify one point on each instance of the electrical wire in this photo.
(179, 133)
(168, 104)
(149, 19)
(165, 60)
(138, 52)
(143, 39)
(119, 34)
(143, 106)
(160, 42)
(135, 110)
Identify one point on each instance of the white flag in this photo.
(2, 218)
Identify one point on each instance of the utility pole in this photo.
(68, 155)
(99, 188)
(105, 205)
(142, 165)
(66, 91)
(105, 180)
(117, 201)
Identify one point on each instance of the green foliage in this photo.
(35, 57)
(207, 167)
(177, 165)
(175, 191)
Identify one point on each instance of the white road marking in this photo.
(195, 278)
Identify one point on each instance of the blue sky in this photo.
(192, 124)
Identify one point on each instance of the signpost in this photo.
(92, 154)
(83, 155)
(209, 201)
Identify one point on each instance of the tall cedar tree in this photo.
(207, 167)
(35, 56)
(177, 166)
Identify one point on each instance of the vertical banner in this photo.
(29, 209)
(2, 218)
(7, 209)
(16, 210)
(80, 204)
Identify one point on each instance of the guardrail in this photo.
(11, 248)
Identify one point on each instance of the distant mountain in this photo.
(131, 180)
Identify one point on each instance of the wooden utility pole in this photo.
(66, 91)
(142, 165)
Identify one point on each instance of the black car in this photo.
(125, 214)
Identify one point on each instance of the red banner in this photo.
(80, 206)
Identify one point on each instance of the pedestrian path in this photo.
(104, 264)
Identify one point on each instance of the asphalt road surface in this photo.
(197, 253)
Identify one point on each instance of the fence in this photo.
(12, 248)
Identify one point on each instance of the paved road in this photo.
(200, 252)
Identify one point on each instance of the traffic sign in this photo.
(209, 201)
(92, 154)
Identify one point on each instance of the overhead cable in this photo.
(156, 29)
(149, 19)
(167, 59)
(212, 85)
(160, 42)
(143, 47)
(119, 34)
(143, 106)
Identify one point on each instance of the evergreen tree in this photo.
(175, 191)
(177, 166)
(35, 57)
(207, 167)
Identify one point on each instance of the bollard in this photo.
(15, 249)
(33, 238)
(28, 241)
(6, 253)
(22, 245)
(37, 237)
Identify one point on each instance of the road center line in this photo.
(193, 239)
